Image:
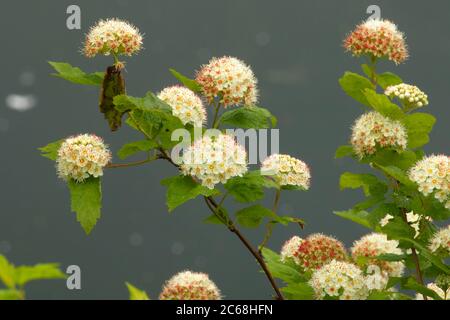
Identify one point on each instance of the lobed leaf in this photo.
(354, 85)
(76, 75)
(188, 83)
(50, 151)
(248, 117)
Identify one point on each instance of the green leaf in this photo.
(252, 216)
(387, 157)
(361, 217)
(76, 75)
(411, 284)
(25, 274)
(424, 252)
(250, 187)
(124, 103)
(397, 174)
(7, 272)
(135, 293)
(418, 126)
(344, 151)
(248, 117)
(354, 85)
(298, 291)
(398, 229)
(156, 124)
(387, 79)
(383, 105)
(212, 219)
(135, 147)
(370, 183)
(11, 294)
(284, 271)
(50, 151)
(181, 189)
(188, 83)
(86, 198)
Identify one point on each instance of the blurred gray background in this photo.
(294, 48)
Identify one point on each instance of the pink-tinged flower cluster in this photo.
(228, 79)
(289, 249)
(188, 285)
(317, 250)
(82, 156)
(112, 36)
(372, 245)
(373, 130)
(214, 159)
(287, 170)
(379, 39)
(432, 175)
(185, 104)
(339, 280)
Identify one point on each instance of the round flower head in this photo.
(214, 159)
(372, 130)
(287, 170)
(185, 104)
(435, 288)
(339, 280)
(230, 79)
(317, 250)
(188, 285)
(112, 36)
(432, 175)
(372, 245)
(289, 249)
(378, 39)
(82, 156)
(410, 96)
(440, 242)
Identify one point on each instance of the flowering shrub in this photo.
(405, 197)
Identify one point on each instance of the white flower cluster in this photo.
(290, 248)
(411, 96)
(214, 159)
(188, 285)
(439, 291)
(185, 104)
(287, 170)
(372, 245)
(441, 241)
(112, 36)
(339, 279)
(376, 278)
(82, 156)
(230, 79)
(432, 175)
(373, 130)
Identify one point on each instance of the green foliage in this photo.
(360, 217)
(298, 291)
(181, 189)
(355, 85)
(15, 278)
(156, 124)
(411, 284)
(188, 83)
(344, 151)
(76, 75)
(397, 173)
(382, 104)
(135, 293)
(86, 201)
(288, 272)
(126, 103)
(132, 148)
(370, 183)
(50, 151)
(418, 126)
(251, 217)
(388, 157)
(250, 187)
(387, 79)
(248, 117)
